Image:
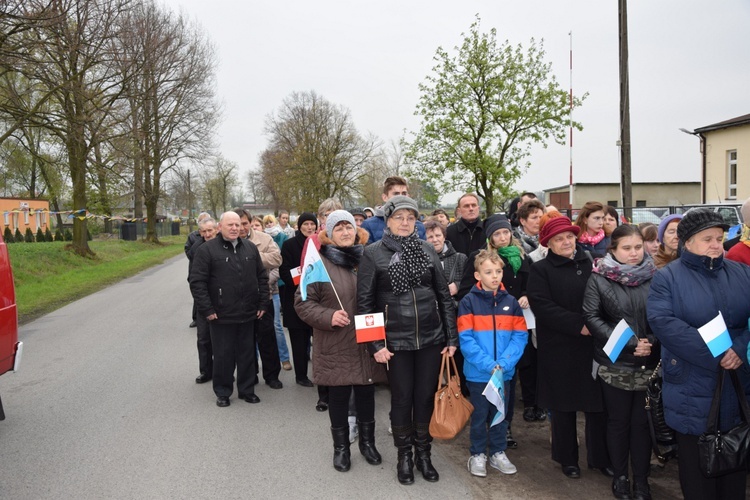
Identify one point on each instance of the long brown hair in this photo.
(589, 208)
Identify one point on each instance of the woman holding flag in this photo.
(401, 277)
(688, 299)
(614, 307)
(328, 305)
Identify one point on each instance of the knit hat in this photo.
(306, 216)
(555, 226)
(664, 223)
(495, 222)
(697, 220)
(358, 211)
(338, 216)
(399, 202)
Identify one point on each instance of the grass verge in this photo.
(47, 276)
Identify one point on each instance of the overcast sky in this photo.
(689, 67)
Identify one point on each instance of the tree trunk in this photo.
(77, 159)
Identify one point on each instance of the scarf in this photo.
(745, 235)
(273, 231)
(530, 243)
(409, 262)
(625, 274)
(346, 257)
(591, 240)
(512, 254)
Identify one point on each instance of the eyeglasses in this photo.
(401, 219)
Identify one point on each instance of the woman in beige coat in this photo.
(338, 361)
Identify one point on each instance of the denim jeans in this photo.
(481, 433)
(280, 338)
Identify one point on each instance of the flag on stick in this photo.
(313, 271)
(616, 343)
(716, 336)
(295, 275)
(370, 327)
(494, 391)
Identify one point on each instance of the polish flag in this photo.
(295, 275)
(369, 327)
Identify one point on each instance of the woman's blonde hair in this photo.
(269, 218)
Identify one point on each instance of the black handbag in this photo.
(719, 452)
(663, 437)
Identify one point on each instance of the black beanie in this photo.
(306, 216)
(697, 220)
(495, 222)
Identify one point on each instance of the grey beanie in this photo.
(495, 222)
(338, 216)
(697, 220)
(399, 202)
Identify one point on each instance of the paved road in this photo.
(105, 407)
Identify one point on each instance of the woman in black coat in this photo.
(565, 348)
(618, 290)
(299, 331)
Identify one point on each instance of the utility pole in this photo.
(190, 205)
(625, 165)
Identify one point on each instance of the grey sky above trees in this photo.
(687, 69)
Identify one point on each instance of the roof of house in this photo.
(734, 122)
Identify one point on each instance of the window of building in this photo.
(640, 203)
(732, 171)
(5, 218)
(612, 203)
(26, 217)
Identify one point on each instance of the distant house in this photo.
(725, 148)
(22, 213)
(645, 194)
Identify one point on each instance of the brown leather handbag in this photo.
(452, 410)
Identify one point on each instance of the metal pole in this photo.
(625, 167)
(570, 125)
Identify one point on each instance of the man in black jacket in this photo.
(230, 287)
(467, 233)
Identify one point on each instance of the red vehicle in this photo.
(10, 347)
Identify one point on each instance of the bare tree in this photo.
(217, 185)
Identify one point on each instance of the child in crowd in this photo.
(492, 333)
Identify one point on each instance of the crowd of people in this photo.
(471, 289)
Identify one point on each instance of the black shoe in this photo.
(250, 398)
(274, 384)
(367, 443)
(305, 382)
(403, 438)
(606, 471)
(222, 401)
(202, 378)
(641, 490)
(572, 471)
(512, 443)
(192, 324)
(341, 454)
(540, 414)
(529, 414)
(322, 405)
(621, 488)
(422, 452)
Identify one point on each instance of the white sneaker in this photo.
(478, 465)
(500, 462)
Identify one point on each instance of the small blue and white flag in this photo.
(313, 271)
(716, 336)
(617, 341)
(494, 391)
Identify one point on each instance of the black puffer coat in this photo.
(421, 317)
(291, 257)
(229, 281)
(605, 303)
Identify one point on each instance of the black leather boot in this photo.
(422, 446)
(367, 443)
(341, 454)
(402, 439)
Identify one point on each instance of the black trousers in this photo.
(627, 431)
(459, 358)
(413, 376)
(338, 403)
(234, 346)
(526, 370)
(300, 340)
(205, 351)
(265, 338)
(695, 486)
(565, 439)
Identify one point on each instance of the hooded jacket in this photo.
(491, 331)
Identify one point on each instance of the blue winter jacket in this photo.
(375, 226)
(685, 295)
(491, 332)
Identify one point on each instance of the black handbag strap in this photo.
(713, 414)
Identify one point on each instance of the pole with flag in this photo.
(617, 341)
(314, 271)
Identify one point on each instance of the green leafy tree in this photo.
(481, 110)
(8, 235)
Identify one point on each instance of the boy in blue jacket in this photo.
(492, 333)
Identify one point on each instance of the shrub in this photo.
(48, 235)
(8, 235)
(68, 235)
(59, 235)
(39, 235)
(29, 237)
(18, 236)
